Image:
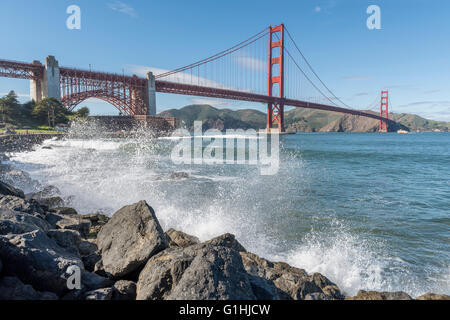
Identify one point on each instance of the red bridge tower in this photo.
(384, 111)
(275, 111)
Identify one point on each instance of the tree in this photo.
(82, 112)
(50, 111)
(9, 106)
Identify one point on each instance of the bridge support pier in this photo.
(151, 108)
(48, 86)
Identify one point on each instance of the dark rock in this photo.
(374, 295)
(13, 222)
(293, 282)
(227, 240)
(66, 222)
(130, 238)
(198, 272)
(69, 239)
(18, 204)
(93, 281)
(124, 290)
(1, 267)
(433, 296)
(97, 222)
(66, 211)
(36, 259)
(100, 294)
(11, 288)
(91, 260)
(181, 239)
(179, 175)
(9, 190)
(49, 203)
(89, 254)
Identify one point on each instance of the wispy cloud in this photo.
(252, 63)
(317, 9)
(362, 78)
(122, 7)
(211, 102)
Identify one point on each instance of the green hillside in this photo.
(297, 119)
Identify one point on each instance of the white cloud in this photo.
(252, 63)
(122, 7)
(317, 9)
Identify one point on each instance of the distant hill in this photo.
(298, 119)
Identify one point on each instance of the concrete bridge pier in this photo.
(48, 86)
(151, 94)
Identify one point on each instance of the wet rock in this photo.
(198, 272)
(98, 220)
(36, 259)
(9, 190)
(227, 240)
(18, 178)
(19, 204)
(100, 294)
(65, 211)
(181, 239)
(179, 175)
(433, 296)
(294, 283)
(129, 239)
(69, 239)
(66, 222)
(49, 203)
(11, 288)
(375, 295)
(124, 290)
(13, 222)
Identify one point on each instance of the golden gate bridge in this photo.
(267, 68)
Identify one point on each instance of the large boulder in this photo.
(197, 272)
(11, 288)
(291, 282)
(37, 260)
(14, 222)
(181, 239)
(434, 296)
(129, 239)
(9, 190)
(375, 295)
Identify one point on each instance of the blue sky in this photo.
(409, 55)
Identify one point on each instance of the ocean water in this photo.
(369, 211)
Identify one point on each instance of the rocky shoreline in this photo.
(51, 252)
